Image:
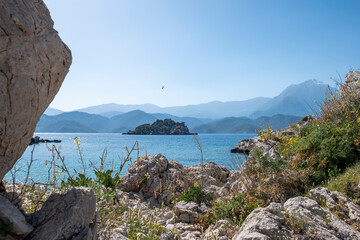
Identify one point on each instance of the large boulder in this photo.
(162, 181)
(33, 64)
(66, 216)
(325, 215)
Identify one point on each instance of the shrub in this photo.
(236, 208)
(105, 178)
(196, 194)
(347, 182)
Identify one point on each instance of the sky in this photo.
(125, 51)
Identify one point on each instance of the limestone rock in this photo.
(352, 81)
(186, 212)
(221, 229)
(210, 175)
(268, 147)
(12, 221)
(160, 181)
(33, 64)
(304, 218)
(264, 223)
(66, 216)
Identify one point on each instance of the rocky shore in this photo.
(37, 140)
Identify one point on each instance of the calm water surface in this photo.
(216, 148)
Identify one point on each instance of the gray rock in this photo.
(117, 236)
(264, 223)
(33, 64)
(160, 181)
(304, 218)
(247, 145)
(66, 216)
(13, 220)
(186, 212)
(352, 81)
(167, 236)
(220, 229)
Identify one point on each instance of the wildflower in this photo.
(147, 176)
(196, 184)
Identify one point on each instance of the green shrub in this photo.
(105, 178)
(80, 181)
(327, 150)
(237, 208)
(347, 182)
(195, 194)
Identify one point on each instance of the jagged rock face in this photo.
(160, 181)
(33, 64)
(305, 218)
(66, 216)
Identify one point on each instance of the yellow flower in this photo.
(196, 184)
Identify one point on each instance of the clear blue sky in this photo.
(124, 51)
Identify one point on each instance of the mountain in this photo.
(299, 100)
(246, 125)
(212, 110)
(52, 111)
(131, 120)
(65, 126)
(85, 122)
(113, 107)
(217, 109)
(110, 114)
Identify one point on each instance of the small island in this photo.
(161, 127)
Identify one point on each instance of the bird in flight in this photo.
(163, 87)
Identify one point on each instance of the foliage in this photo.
(79, 181)
(327, 149)
(236, 208)
(266, 134)
(195, 194)
(320, 150)
(347, 182)
(271, 180)
(106, 179)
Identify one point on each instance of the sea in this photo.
(183, 148)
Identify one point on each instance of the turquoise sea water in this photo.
(216, 148)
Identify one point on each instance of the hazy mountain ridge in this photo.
(85, 122)
(246, 125)
(294, 102)
(297, 99)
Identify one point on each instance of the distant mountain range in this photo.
(246, 125)
(214, 117)
(74, 122)
(296, 100)
(90, 123)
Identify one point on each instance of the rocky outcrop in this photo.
(352, 81)
(33, 64)
(37, 140)
(268, 147)
(304, 218)
(162, 181)
(66, 216)
(161, 127)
